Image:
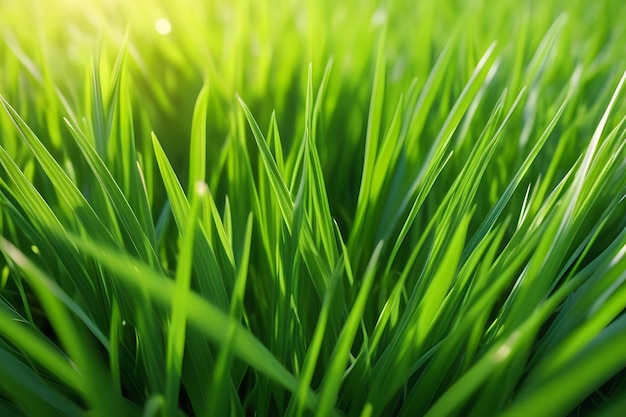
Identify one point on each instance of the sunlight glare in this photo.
(163, 26)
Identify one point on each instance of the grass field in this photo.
(312, 208)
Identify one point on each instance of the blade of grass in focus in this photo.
(405, 208)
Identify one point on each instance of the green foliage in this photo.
(316, 208)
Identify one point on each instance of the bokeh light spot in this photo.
(163, 26)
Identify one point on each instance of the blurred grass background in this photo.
(59, 58)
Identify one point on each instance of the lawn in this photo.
(312, 208)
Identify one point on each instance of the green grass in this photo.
(312, 208)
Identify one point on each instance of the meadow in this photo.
(312, 208)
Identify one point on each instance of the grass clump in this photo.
(312, 208)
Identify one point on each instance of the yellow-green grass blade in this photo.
(591, 367)
(220, 380)
(201, 314)
(210, 280)
(67, 190)
(372, 137)
(39, 348)
(198, 143)
(178, 319)
(135, 233)
(98, 392)
(30, 392)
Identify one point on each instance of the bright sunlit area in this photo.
(353, 208)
